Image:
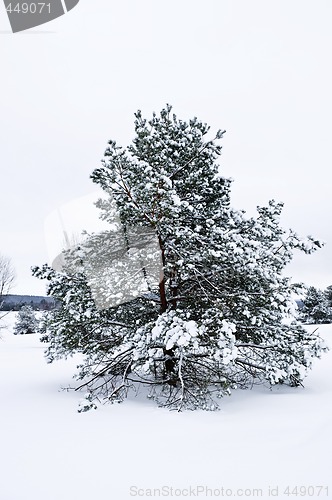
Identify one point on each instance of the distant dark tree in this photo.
(5, 306)
(42, 305)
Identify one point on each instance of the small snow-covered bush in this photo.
(26, 321)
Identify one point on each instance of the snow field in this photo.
(260, 439)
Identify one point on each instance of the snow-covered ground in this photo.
(259, 441)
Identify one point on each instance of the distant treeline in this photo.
(15, 302)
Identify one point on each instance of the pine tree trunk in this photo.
(169, 363)
(162, 290)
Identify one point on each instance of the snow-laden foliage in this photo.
(214, 315)
(26, 321)
(317, 306)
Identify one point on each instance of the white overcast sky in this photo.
(259, 69)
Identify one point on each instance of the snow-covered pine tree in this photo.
(316, 307)
(216, 318)
(26, 321)
(328, 296)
